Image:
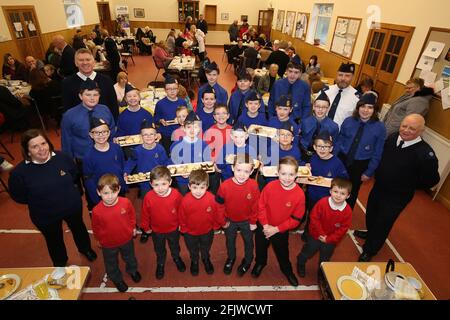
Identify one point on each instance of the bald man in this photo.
(67, 65)
(408, 163)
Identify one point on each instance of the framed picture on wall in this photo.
(345, 35)
(290, 21)
(224, 16)
(301, 27)
(280, 20)
(139, 13)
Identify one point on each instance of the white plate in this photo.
(356, 281)
(16, 278)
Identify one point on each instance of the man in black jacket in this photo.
(280, 58)
(202, 24)
(71, 85)
(67, 65)
(112, 54)
(408, 163)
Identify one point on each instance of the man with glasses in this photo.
(75, 125)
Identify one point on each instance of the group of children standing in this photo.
(270, 208)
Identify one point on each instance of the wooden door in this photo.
(104, 16)
(25, 31)
(210, 14)
(265, 22)
(383, 57)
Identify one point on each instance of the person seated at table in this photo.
(295, 58)
(112, 54)
(330, 220)
(42, 90)
(279, 57)
(313, 66)
(366, 85)
(16, 110)
(266, 82)
(90, 44)
(33, 63)
(52, 56)
(161, 56)
(179, 42)
(170, 42)
(186, 50)
(145, 40)
(251, 55)
(235, 53)
(13, 69)
(77, 42)
(120, 86)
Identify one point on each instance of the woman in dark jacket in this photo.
(45, 181)
(43, 89)
(13, 69)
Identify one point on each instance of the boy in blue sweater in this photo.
(146, 156)
(212, 73)
(206, 114)
(102, 158)
(283, 110)
(190, 149)
(236, 104)
(252, 114)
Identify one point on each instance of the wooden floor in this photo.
(420, 236)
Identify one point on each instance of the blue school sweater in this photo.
(129, 122)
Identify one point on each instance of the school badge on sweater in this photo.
(62, 173)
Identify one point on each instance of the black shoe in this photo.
(180, 265)
(144, 237)
(228, 267)
(159, 271)
(90, 255)
(301, 270)
(292, 279)
(136, 276)
(257, 269)
(209, 268)
(121, 286)
(243, 268)
(360, 234)
(194, 268)
(364, 257)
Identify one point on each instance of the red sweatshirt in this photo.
(160, 214)
(216, 138)
(325, 221)
(281, 208)
(238, 202)
(113, 226)
(198, 216)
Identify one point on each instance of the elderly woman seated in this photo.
(266, 82)
(145, 40)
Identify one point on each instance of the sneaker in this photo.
(6, 166)
(159, 271)
(136, 277)
(121, 286)
(243, 268)
(228, 267)
(194, 268)
(209, 268)
(301, 270)
(180, 265)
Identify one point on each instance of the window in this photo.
(74, 14)
(320, 20)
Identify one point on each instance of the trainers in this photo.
(243, 268)
(180, 265)
(209, 268)
(121, 286)
(144, 237)
(6, 166)
(159, 271)
(194, 268)
(228, 267)
(136, 277)
(301, 270)
(257, 269)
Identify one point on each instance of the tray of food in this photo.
(263, 131)
(8, 285)
(316, 181)
(230, 160)
(272, 171)
(137, 178)
(183, 169)
(129, 140)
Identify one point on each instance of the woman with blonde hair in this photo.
(119, 87)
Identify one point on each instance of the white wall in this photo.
(417, 13)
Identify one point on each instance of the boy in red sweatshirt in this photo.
(238, 206)
(330, 219)
(113, 224)
(198, 215)
(281, 208)
(159, 217)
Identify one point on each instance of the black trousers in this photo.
(54, 237)
(214, 182)
(383, 209)
(355, 171)
(82, 185)
(311, 247)
(199, 245)
(111, 260)
(247, 235)
(159, 243)
(166, 143)
(280, 243)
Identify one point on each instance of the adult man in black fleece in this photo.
(408, 163)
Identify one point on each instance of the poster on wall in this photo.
(290, 21)
(301, 27)
(280, 20)
(345, 35)
(74, 13)
(123, 18)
